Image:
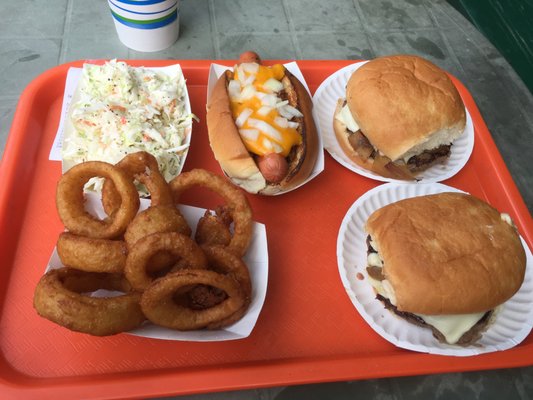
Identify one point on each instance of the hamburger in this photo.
(444, 262)
(400, 116)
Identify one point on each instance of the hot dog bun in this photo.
(242, 166)
(226, 142)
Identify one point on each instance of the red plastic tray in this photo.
(308, 330)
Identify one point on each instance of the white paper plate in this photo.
(325, 102)
(256, 259)
(514, 319)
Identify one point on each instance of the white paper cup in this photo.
(149, 31)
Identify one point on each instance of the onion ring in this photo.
(225, 262)
(58, 298)
(214, 229)
(159, 306)
(143, 167)
(158, 218)
(92, 255)
(70, 201)
(180, 246)
(236, 203)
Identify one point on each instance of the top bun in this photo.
(448, 253)
(405, 105)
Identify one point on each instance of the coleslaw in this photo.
(121, 109)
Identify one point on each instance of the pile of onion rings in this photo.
(163, 275)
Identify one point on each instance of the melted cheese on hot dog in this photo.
(263, 119)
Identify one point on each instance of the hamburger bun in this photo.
(404, 105)
(447, 253)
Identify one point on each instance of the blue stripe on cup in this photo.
(143, 13)
(141, 3)
(148, 24)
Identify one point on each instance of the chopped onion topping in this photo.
(273, 85)
(266, 128)
(272, 146)
(281, 122)
(269, 100)
(267, 144)
(250, 134)
(251, 68)
(249, 80)
(277, 148)
(248, 92)
(264, 111)
(234, 89)
(241, 76)
(269, 134)
(284, 113)
(243, 116)
(289, 112)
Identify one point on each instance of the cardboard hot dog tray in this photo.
(308, 331)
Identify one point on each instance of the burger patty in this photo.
(361, 145)
(429, 157)
(468, 338)
(365, 150)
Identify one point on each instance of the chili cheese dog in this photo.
(261, 128)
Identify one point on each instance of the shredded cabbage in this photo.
(125, 109)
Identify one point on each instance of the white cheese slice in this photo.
(345, 116)
(374, 261)
(452, 326)
(383, 288)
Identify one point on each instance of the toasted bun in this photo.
(448, 253)
(226, 142)
(235, 160)
(405, 105)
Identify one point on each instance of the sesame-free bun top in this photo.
(447, 253)
(404, 105)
